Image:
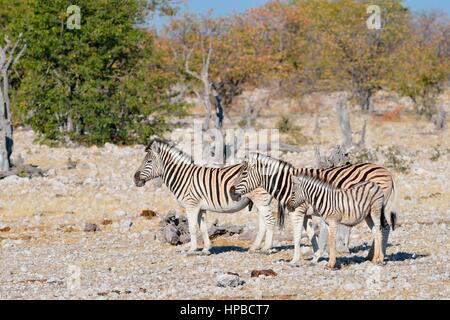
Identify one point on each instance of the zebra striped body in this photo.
(275, 176)
(349, 207)
(199, 188)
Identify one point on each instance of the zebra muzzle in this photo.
(234, 195)
(290, 207)
(137, 179)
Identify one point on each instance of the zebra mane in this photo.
(317, 181)
(269, 161)
(169, 147)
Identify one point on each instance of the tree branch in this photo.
(186, 66)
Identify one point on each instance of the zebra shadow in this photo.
(393, 257)
(224, 249)
(364, 247)
(403, 256)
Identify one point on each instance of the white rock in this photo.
(229, 280)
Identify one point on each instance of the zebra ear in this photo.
(155, 147)
(295, 179)
(152, 147)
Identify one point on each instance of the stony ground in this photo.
(46, 254)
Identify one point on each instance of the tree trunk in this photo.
(7, 60)
(4, 158)
(440, 118)
(344, 123)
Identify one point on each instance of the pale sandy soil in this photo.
(46, 247)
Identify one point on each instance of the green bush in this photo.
(105, 82)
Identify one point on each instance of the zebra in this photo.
(363, 201)
(275, 176)
(199, 188)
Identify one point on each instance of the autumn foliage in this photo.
(303, 46)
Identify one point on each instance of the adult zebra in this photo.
(199, 188)
(275, 176)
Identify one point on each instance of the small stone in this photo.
(351, 286)
(148, 214)
(267, 273)
(106, 222)
(126, 224)
(90, 227)
(229, 280)
(4, 228)
(171, 235)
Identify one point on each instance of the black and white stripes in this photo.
(199, 188)
(364, 201)
(275, 176)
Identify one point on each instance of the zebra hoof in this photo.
(192, 253)
(205, 252)
(254, 250)
(268, 251)
(293, 263)
(331, 266)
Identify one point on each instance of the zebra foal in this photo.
(364, 201)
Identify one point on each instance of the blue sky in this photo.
(227, 7)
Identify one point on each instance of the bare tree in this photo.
(337, 157)
(203, 95)
(344, 122)
(440, 118)
(192, 42)
(8, 58)
(254, 104)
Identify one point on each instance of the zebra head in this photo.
(249, 178)
(151, 166)
(297, 196)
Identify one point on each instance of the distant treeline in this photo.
(112, 81)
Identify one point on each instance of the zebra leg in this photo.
(204, 231)
(269, 220)
(332, 226)
(376, 236)
(257, 244)
(384, 238)
(343, 238)
(308, 225)
(192, 216)
(377, 232)
(384, 241)
(323, 238)
(297, 218)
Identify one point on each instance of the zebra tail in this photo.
(393, 205)
(281, 215)
(250, 205)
